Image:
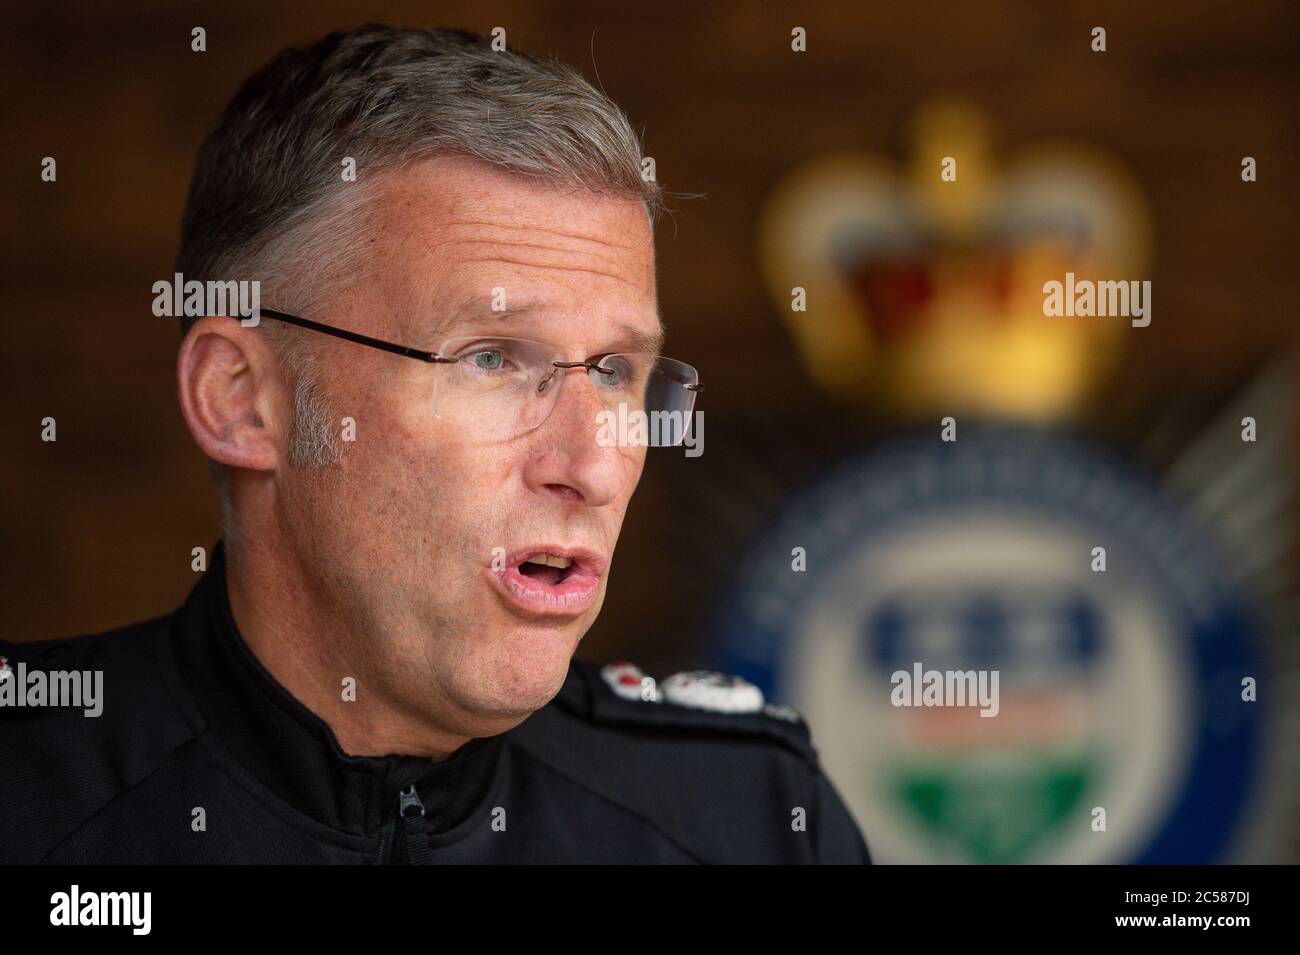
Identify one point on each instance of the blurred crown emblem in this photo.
(924, 283)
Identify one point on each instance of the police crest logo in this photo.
(977, 557)
(1096, 633)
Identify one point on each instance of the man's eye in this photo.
(615, 373)
(488, 359)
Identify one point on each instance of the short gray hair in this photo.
(268, 200)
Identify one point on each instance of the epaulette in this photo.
(19, 659)
(39, 654)
(621, 693)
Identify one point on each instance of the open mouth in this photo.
(547, 568)
(551, 580)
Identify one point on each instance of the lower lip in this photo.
(569, 598)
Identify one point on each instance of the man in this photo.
(455, 255)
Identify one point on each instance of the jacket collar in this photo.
(292, 751)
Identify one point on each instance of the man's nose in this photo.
(566, 459)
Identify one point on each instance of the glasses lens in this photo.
(651, 393)
(498, 386)
(503, 387)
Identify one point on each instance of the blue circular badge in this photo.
(1106, 659)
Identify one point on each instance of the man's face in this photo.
(403, 534)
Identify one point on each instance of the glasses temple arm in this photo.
(357, 337)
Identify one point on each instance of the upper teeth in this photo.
(550, 560)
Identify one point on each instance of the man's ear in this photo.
(231, 394)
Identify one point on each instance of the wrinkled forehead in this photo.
(453, 238)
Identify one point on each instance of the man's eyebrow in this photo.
(652, 342)
(477, 309)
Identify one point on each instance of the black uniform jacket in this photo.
(200, 755)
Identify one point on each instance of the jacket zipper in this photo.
(411, 811)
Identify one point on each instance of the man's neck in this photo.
(312, 654)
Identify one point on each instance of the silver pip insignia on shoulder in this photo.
(708, 690)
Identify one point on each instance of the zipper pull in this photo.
(411, 810)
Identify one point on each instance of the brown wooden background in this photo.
(95, 530)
